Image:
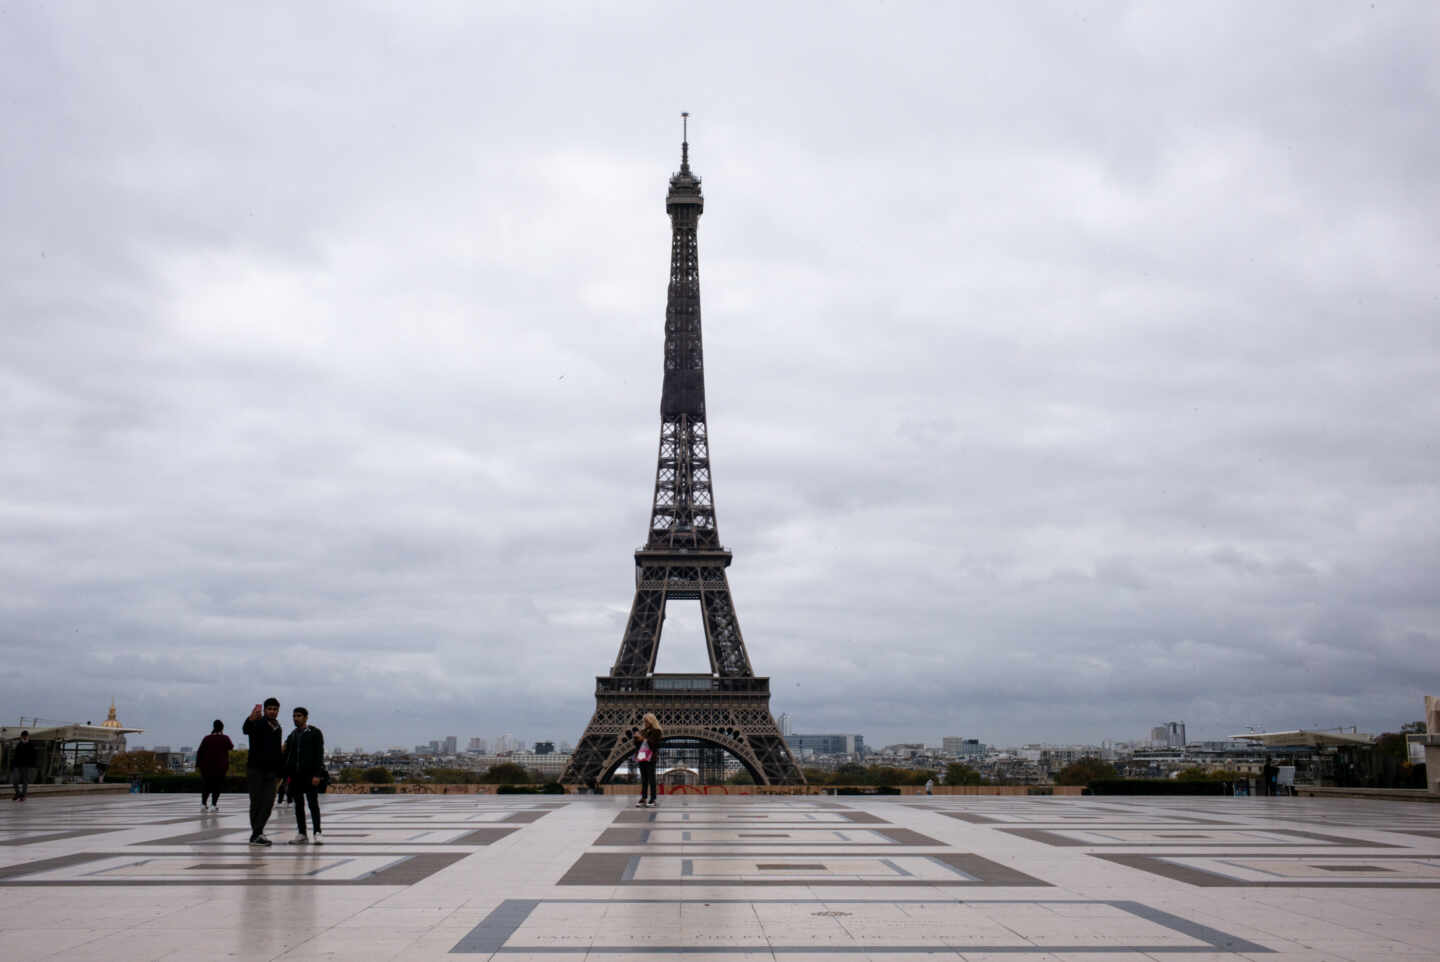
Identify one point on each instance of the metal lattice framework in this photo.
(683, 559)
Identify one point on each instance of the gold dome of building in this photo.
(110, 720)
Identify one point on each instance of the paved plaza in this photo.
(128, 878)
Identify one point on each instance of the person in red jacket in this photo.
(213, 761)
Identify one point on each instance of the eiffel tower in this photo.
(728, 709)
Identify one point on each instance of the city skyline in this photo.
(1071, 371)
(508, 742)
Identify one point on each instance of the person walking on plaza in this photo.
(212, 760)
(23, 761)
(647, 747)
(263, 767)
(305, 767)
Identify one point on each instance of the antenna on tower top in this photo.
(685, 140)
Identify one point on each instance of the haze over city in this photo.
(1045, 405)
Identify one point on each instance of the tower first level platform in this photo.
(729, 713)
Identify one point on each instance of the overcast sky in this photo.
(1069, 372)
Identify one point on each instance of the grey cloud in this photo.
(1070, 370)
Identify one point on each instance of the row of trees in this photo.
(125, 764)
(853, 773)
(505, 773)
(1080, 772)
(509, 773)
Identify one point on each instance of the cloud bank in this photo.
(1069, 371)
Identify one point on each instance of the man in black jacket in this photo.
(305, 766)
(262, 769)
(23, 760)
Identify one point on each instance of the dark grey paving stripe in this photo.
(905, 836)
(1222, 941)
(862, 951)
(643, 900)
(529, 815)
(192, 838)
(406, 870)
(480, 836)
(496, 928)
(58, 836)
(48, 864)
(720, 820)
(1095, 821)
(487, 835)
(641, 837)
(614, 868)
(1157, 864)
(1303, 840)
(506, 919)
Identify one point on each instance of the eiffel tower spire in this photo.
(728, 709)
(683, 513)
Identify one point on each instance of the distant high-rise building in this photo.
(827, 744)
(950, 744)
(478, 746)
(1168, 735)
(434, 747)
(785, 724)
(452, 744)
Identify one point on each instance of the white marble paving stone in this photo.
(424, 921)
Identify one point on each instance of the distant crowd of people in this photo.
(290, 770)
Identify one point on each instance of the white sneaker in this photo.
(640, 804)
(318, 839)
(300, 840)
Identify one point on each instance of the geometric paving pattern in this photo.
(351, 834)
(1189, 837)
(896, 870)
(811, 926)
(1291, 871)
(289, 867)
(133, 878)
(786, 836)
